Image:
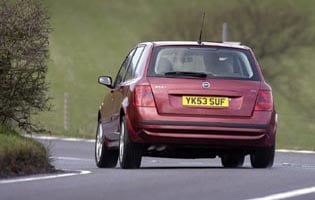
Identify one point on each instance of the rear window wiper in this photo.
(185, 74)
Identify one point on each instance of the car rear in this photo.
(211, 96)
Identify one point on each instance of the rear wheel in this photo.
(104, 157)
(129, 152)
(232, 160)
(262, 157)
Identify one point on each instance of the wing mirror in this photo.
(105, 80)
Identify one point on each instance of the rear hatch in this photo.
(204, 97)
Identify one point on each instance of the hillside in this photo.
(91, 38)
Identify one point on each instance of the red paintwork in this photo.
(167, 97)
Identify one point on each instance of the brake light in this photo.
(264, 101)
(143, 96)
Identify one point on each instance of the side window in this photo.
(123, 68)
(130, 74)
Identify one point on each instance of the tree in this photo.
(24, 30)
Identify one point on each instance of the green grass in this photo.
(20, 155)
(295, 131)
(91, 38)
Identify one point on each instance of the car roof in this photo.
(195, 43)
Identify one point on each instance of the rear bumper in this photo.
(151, 128)
(203, 124)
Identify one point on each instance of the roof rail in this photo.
(232, 43)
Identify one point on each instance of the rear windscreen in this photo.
(215, 62)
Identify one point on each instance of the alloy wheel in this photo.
(99, 142)
(121, 142)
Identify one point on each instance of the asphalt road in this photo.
(163, 179)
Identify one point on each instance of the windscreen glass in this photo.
(229, 63)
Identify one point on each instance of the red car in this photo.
(187, 100)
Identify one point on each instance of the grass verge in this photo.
(21, 156)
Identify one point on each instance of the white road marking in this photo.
(295, 151)
(192, 163)
(71, 158)
(289, 194)
(43, 137)
(19, 180)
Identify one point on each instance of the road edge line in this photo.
(289, 194)
(295, 151)
(66, 139)
(47, 177)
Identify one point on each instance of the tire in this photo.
(232, 160)
(262, 157)
(104, 157)
(129, 152)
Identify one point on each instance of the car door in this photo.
(127, 72)
(117, 93)
(112, 102)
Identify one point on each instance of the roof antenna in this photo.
(224, 32)
(201, 28)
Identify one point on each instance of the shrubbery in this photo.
(24, 30)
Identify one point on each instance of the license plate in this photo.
(217, 102)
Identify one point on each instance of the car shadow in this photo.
(192, 167)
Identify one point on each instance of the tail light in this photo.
(143, 96)
(264, 101)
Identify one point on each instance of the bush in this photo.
(24, 30)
